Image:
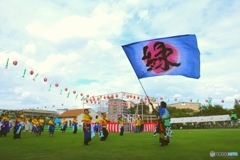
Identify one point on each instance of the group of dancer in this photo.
(99, 128)
(163, 127)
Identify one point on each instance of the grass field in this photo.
(67, 146)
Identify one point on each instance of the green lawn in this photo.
(66, 146)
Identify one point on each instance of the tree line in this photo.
(204, 110)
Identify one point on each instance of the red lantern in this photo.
(134, 97)
(87, 95)
(86, 101)
(66, 89)
(116, 95)
(81, 94)
(127, 96)
(222, 101)
(131, 96)
(190, 100)
(206, 100)
(15, 63)
(104, 97)
(161, 98)
(31, 72)
(95, 102)
(56, 85)
(138, 97)
(74, 92)
(45, 79)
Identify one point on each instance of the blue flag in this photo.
(177, 55)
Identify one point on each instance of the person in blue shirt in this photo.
(163, 126)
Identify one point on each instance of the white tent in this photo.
(201, 119)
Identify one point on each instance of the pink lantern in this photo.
(15, 63)
(31, 72)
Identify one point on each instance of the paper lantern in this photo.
(138, 97)
(45, 79)
(104, 97)
(222, 101)
(175, 99)
(116, 95)
(66, 89)
(134, 97)
(206, 100)
(190, 100)
(56, 85)
(31, 72)
(127, 96)
(15, 63)
(87, 95)
(81, 94)
(74, 92)
(131, 96)
(62, 104)
(161, 98)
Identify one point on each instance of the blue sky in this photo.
(78, 45)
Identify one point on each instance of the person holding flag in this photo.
(164, 123)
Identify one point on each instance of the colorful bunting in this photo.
(7, 64)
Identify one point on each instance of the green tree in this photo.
(236, 107)
(133, 109)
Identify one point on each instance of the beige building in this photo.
(191, 105)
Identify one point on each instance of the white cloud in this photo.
(29, 48)
(79, 46)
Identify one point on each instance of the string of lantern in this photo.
(94, 99)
